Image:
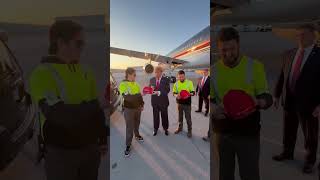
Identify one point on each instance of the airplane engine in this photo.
(149, 68)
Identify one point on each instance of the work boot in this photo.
(139, 138)
(127, 151)
(189, 134)
(178, 130)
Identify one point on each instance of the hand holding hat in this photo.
(147, 90)
(184, 94)
(238, 104)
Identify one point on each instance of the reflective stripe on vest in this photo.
(128, 88)
(50, 96)
(249, 77)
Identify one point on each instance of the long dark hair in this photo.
(62, 29)
(129, 71)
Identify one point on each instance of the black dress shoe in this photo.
(198, 111)
(283, 157)
(155, 132)
(206, 114)
(166, 132)
(205, 139)
(307, 168)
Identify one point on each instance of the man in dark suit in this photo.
(160, 100)
(299, 87)
(203, 90)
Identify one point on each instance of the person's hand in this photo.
(103, 149)
(316, 112)
(156, 93)
(261, 103)
(178, 96)
(276, 103)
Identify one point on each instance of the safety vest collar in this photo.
(50, 96)
(185, 81)
(215, 72)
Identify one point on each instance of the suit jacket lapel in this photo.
(289, 62)
(310, 59)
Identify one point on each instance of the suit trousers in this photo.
(310, 129)
(163, 110)
(206, 102)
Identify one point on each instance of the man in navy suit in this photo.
(160, 100)
(204, 91)
(299, 88)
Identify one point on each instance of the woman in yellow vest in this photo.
(133, 105)
(73, 124)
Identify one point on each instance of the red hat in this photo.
(184, 94)
(147, 90)
(238, 104)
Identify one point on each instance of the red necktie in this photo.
(296, 70)
(157, 84)
(202, 82)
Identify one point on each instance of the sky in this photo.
(154, 26)
(43, 12)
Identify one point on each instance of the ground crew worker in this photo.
(184, 105)
(240, 137)
(133, 105)
(72, 123)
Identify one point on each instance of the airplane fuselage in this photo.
(284, 12)
(196, 51)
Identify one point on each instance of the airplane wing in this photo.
(146, 56)
(264, 12)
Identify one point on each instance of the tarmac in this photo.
(160, 157)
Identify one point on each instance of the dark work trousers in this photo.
(186, 109)
(163, 110)
(206, 102)
(72, 164)
(310, 129)
(227, 148)
(132, 118)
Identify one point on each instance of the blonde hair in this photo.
(159, 68)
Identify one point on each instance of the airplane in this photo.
(282, 13)
(281, 17)
(192, 54)
(269, 22)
